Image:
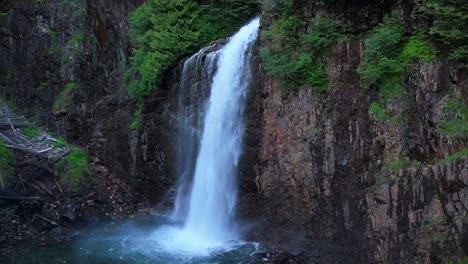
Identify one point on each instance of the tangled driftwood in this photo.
(38, 158)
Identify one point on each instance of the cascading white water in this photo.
(210, 204)
(193, 91)
(214, 187)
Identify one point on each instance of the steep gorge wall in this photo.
(322, 169)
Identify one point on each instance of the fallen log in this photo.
(25, 150)
(6, 139)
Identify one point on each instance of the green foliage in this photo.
(388, 53)
(417, 48)
(380, 64)
(66, 59)
(397, 165)
(449, 19)
(52, 33)
(7, 160)
(41, 87)
(459, 155)
(75, 171)
(136, 121)
(299, 60)
(163, 30)
(60, 143)
(64, 98)
(3, 14)
(283, 7)
(436, 236)
(81, 12)
(71, 85)
(31, 132)
(462, 260)
(458, 123)
(80, 37)
(381, 113)
(438, 220)
(166, 30)
(218, 19)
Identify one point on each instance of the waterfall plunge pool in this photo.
(131, 242)
(206, 202)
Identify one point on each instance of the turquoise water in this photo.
(127, 242)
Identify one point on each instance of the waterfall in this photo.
(194, 88)
(206, 196)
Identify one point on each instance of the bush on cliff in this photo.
(449, 19)
(166, 30)
(75, 172)
(297, 60)
(388, 52)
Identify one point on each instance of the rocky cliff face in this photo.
(322, 167)
(315, 171)
(63, 65)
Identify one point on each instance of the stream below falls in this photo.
(127, 242)
(202, 228)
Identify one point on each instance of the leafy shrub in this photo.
(462, 260)
(381, 113)
(378, 110)
(81, 12)
(53, 34)
(458, 124)
(418, 48)
(449, 19)
(283, 7)
(75, 171)
(60, 143)
(388, 52)
(31, 132)
(80, 37)
(218, 19)
(166, 30)
(298, 60)
(136, 121)
(437, 236)
(380, 63)
(66, 59)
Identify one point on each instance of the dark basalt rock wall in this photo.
(320, 166)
